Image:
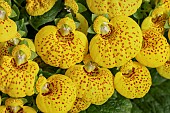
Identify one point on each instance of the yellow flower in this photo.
(155, 49)
(13, 105)
(21, 54)
(39, 7)
(114, 7)
(6, 7)
(133, 80)
(116, 42)
(156, 20)
(17, 80)
(83, 23)
(56, 94)
(61, 46)
(72, 5)
(79, 105)
(93, 84)
(164, 70)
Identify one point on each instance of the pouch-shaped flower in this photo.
(17, 73)
(133, 80)
(156, 20)
(56, 94)
(39, 7)
(79, 105)
(116, 42)
(93, 84)
(164, 70)
(72, 5)
(8, 27)
(61, 46)
(114, 7)
(155, 49)
(14, 105)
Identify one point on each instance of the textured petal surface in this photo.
(114, 7)
(136, 85)
(120, 45)
(59, 51)
(8, 29)
(155, 49)
(39, 7)
(61, 96)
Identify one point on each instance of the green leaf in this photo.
(24, 42)
(138, 14)
(56, 20)
(33, 55)
(156, 101)
(13, 14)
(36, 21)
(167, 26)
(22, 33)
(19, 2)
(77, 24)
(116, 104)
(24, 100)
(10, 49)
(82, 8)
(21, 26)
(91, 30)
(94, 16)
(69, 15)
(106, 15)
(17, 11)
(156, 78)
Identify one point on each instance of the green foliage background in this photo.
(156, 101)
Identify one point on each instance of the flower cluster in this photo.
(118, 41)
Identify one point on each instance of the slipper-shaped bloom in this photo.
(8, 27)
(73, 6)
(165, 4)
(61, 46)
(133, 80)
(79, 105)
(155, 49)
(56, 94)
(17, 73)
(156, 20)
(4, 46)
(6, 7)
(39, 7)
(114, 7)
(93, 84)
(164, 70)
(116, 42)
(13, 105)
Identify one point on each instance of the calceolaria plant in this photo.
(156, 20)
(164, 70)
(155, 49)
(61, 45)
(133, 80)
(94, 84)
(14, 105)
(51, 61)
(55, 94)
(18, 73)
(79, 105)
(116, 42)
(39, 7)
(114, 7)
(8, 27)
(72, 7)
